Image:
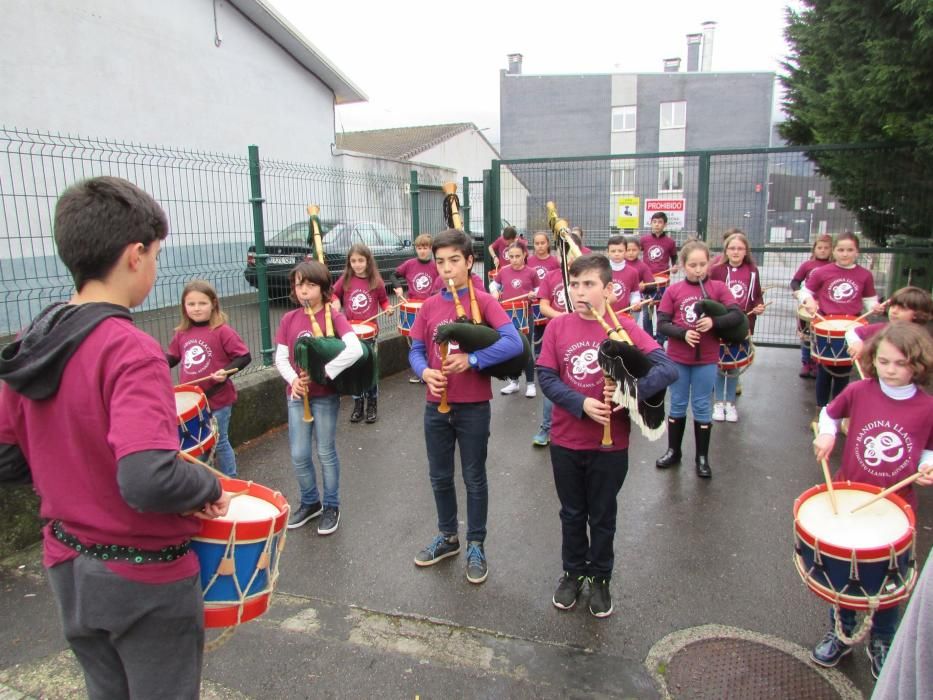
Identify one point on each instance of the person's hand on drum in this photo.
(927, 478)
(855, 349)
(300, 385)
(218, 508)
(823, 445)
(435, 380)
(692, 338)
(597, 410)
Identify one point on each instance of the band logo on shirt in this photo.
(422, 282)
(882, 444)
(655, 252)
(540, 272)
(516, 283)
(359, 300)
(687, 311)
(197, 355)
(738, 289)
(452, 345)
(843, 289)
(560, 299)
(619, 290)
(582, 361)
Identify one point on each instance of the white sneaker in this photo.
(732, 416)
(511, 387)
(530, 391)
(719, 412)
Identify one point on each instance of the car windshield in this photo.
(297, 233)
(371, 233)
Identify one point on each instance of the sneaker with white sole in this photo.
(329, 521)
(510, 388)
(732, 416)
(541, 438)
(531, 391)
(719, 411)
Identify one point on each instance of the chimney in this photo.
(693, 52)
(708, 29)
(515, 64)
(671, 65)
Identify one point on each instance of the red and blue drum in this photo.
(861, 560)
(406, 316)
(538, 318)
(239, 554)
(365, 330)
(736, 355)
(829, 340)
(195, 422)
(517, 311)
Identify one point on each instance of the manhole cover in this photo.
(739, 668)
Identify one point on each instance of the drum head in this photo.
(880, 524)
(187, 399)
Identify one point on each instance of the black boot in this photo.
(371, 409)
(701, 434)
(357, 414)
(675, 435)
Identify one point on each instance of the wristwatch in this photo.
(473, 360)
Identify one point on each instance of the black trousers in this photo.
(588, 482)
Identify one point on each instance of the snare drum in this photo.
(538, 318)
(239, 554)
(517, 311)
(406, 316)
(195, 425)
(804, 318)
(365, 330)
(858, 561)
(736, 355)
(829, 341)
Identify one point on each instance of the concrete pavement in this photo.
(353, 617)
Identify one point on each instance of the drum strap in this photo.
(119, 552)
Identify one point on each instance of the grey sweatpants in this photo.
(133, 640)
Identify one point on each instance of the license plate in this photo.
(281, 260)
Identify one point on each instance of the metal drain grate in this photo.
(738, 668)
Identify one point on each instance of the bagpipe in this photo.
(618, 356)
(471, 334)
(625, 364)
(312, 353)
(714, 309)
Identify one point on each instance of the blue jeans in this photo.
(694, 385)
(725, 385)
(226, 459)
(324, 431)
(646, 315)
(547, 408)
(467, 425)
(883, 627)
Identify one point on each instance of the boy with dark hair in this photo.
(625, 278)
(659, 253)
(588, 476)
(499, 248)
(118, 501)
(468, 392)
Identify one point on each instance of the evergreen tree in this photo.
(861, 71)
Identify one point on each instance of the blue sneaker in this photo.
(477, 569)
(828, 652)
(877, 650)
(542, 438)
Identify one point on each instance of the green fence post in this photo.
(703, 195)
(495, 194)
(487, 221)
(256, 200)
(415, 212)
(466, 204)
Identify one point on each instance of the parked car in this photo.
(290, 246)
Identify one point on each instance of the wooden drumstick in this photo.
(891, 489)
(227, 372)
(194, 460)
(766, 305)
(826, 477)
(384, 311)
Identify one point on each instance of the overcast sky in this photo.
(433, 63)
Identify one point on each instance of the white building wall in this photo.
(143, 71)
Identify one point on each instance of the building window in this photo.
(623, 180)
(623, 118)
(671, 175)
(673, 115)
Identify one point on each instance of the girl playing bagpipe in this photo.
(686, 317)
(361, 294)
(740, 274)
(311, 290)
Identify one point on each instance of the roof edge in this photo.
(295, 44)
